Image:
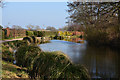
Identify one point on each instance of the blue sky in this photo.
(36, 13)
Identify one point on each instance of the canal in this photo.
(101, 62)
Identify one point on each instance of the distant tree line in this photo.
(51, 28)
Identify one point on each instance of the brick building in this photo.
(14, 32)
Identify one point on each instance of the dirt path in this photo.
(10, 40)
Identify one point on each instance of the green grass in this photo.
(12, 38)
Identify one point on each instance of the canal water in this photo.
(101, 62)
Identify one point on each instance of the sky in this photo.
(0, 16)
(35, 13)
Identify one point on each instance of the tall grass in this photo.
(8, 49)
(25, 55)
(57, 65)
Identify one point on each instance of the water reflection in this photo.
(77, 40)
(100, 61)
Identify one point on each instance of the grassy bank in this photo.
(10, 70)
(36, 64)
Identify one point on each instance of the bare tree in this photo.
(37, 27)
(30, 27)
(51, 28)
(17, 30)
(16, 27)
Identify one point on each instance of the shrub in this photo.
(81, 36)
(50, 33)
(3, 34)
(59, 37)
(35, 33)
(5, 31)
(34, 39)
(26, 54)
(56, 36)
(97, 37)
(29, 33)
(56, 65)
(41, 34)
(51, 37)
(38, 41)
(29, 39)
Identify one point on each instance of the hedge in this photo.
(41, 33)
(35, 33)
(29, 33)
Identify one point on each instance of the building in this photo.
(14, 32)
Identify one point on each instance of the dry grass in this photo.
(10, 70)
